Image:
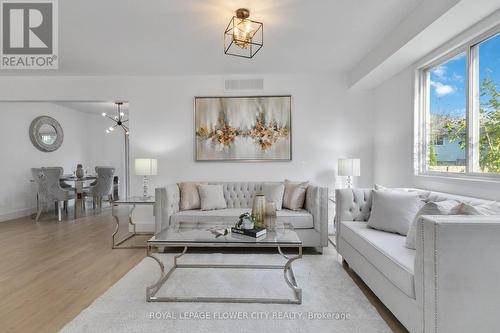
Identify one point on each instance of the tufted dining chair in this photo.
(102, 186)
(49, 190)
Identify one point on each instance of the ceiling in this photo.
(174, 37)
(94, 107)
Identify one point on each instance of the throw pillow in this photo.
(430, 208)
(211, 197)
(492, 208)
(394, 211)
(295, 194)
(274, 193)
(424, 195)
(190, 198)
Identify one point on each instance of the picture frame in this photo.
(243, 128)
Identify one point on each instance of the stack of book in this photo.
(255, 232)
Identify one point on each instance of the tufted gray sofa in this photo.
(310, 223)
(448, 284)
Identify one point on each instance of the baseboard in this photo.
(17, 214)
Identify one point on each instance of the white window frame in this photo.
(421, 108)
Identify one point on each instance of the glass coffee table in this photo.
(199, 234)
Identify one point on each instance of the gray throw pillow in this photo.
(212, 197)
(295, 194)
(430, 208)
(274, 193)
(394, 211)
(190, 198)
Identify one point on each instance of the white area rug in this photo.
(331, 301)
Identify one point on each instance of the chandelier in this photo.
(118, 120)
(243, 37)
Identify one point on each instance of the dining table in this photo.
(78, 184)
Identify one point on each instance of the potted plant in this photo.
(246, 221)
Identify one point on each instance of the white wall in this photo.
(393, 150)
(104, 149)
(84, 142)
(328, 122)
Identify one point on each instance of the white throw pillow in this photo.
(424, 195)
(211, 197)
(430, 208)
(481, 209)
(274, 193)
(394, 211)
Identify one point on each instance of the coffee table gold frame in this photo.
(288, 274)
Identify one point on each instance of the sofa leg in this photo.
(345, 263)
(319, 249)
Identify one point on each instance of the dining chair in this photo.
(102, 186)
(49, 190)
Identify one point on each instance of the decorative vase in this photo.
(259, 210)
(271, 216)
(79, 171)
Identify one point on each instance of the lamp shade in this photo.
(349, 167)
(146, 166)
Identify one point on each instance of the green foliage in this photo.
(457, 130)
(489, 139)
(489, 128)
(432, 156)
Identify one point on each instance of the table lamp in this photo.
(146, 167)
(349, 167)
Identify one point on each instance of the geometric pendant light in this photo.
(118, 120)
(243, 37)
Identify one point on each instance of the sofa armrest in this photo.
(456, 273)
(317, 204)
(167, 203)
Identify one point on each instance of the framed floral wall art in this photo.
(243, 128)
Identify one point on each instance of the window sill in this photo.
(461, 177)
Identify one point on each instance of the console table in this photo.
(131, 202)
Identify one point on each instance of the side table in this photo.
(133, 202)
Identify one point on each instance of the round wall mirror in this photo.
(46, 133)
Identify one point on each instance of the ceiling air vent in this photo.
(244, 84)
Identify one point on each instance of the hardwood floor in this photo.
(50, 271)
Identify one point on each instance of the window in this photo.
(447, 115)
(459, 110)
(488, 86)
